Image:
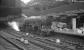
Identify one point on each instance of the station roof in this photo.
(69, 9)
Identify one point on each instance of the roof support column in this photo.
(74, 24)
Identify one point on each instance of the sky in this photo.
(25, 1)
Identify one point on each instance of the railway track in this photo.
(41, 43)
(18, 44)
(62, 45)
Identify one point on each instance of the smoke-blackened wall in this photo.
(9, 7)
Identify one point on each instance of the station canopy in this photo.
(43, 7)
